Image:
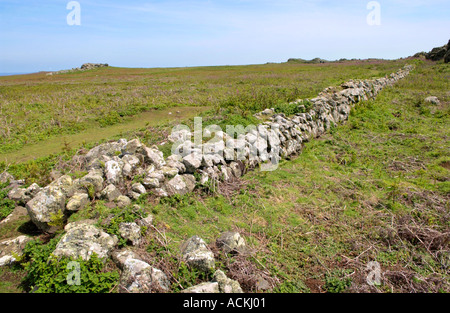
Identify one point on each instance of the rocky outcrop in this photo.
(437, 54)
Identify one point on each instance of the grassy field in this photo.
(374, 189)
(38, 107)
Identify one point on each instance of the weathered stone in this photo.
(93, 181)
(138, 188)
(23, 195)
(192, 162)
(47, 202)
(121, 256)
(77, 202)
(433, 100)
(226, 285)
(122, 201)
(109, 149)
(11, 249)
(132, 147)
(180, 184)
(150, 183)
(110, 193)
(83, 240)
(113, 172)
(65, 184)
(139, 277)
(153, 156)
(169, 172)
(196, 254)
(131, 232)
(207, 287)
(231, 242)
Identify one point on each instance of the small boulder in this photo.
(231, 242)
(181, 185)
(11, 249)
(82, 240)
(110, 193)
(131, 232)
(77, 202)
(196, 254)
(41, 208)
(122, 201)
(139, 277)
(226, 285)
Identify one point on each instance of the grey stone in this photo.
(231, 242)
(192, 162)
(10, 249)
(122, 201)
(77, 202)
(110, 193)
(109, 149)
(139, 277)
(180, 184)
(83, 240)
(113, 172)
(153, 156)
(47, 202)
(433, 100)
(131, 232)
(196, 254)
(226, 285)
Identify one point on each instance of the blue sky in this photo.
(35, 36)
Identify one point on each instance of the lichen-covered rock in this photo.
(192, 162)
(150, 182)
(121, 256)
(180, 184)
(153, 156)
(139, 277)
(11, 249)
(77, 202)
(132, 147)
(196, 254)
(22, 195)
(131, 232)
(110, 193)
(113, 172)
(92, 182)
(169, 172)
(65, 184)
(207, 287)
(138, 188)
(41, 208)
(82, 240)
(231, 242)
(109, 149)
(226, 285)
(122, 201)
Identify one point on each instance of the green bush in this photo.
(6, 205)
(48, 274)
